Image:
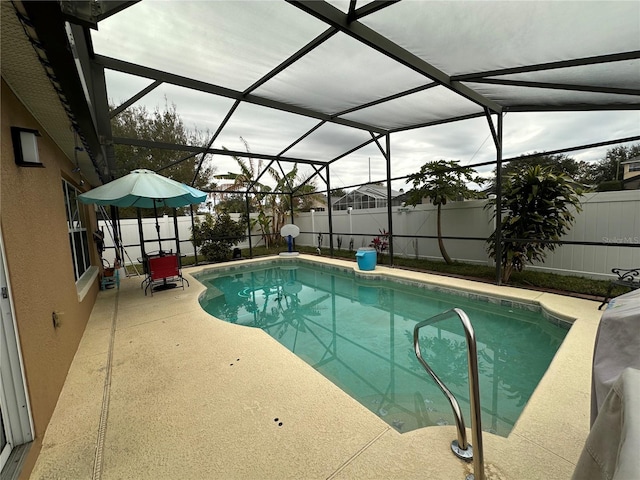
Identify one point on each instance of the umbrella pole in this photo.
(155, 213)
(141, 233)
(195, 237)
(176, 232)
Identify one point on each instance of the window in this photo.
(76, 225)
(634, 167)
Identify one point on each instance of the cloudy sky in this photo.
(232, 44)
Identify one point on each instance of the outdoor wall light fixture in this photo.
(25, 147)
(349, 210)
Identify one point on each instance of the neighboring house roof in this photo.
(375, 191)
(631, 160)
(630, 168)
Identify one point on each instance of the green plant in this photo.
(215, 236)
(292, 192)
(560, 163)
(610, 167)
(381, 242)
(165, 125)
(610, 186)
(537, 205)
(441, 181)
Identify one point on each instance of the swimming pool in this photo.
(358, 332)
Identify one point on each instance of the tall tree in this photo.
(538, 205)
(162, 126)
(609, 168)
(577, 170)
(337, 193)
(442, 181)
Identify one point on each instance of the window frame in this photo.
(76, 227)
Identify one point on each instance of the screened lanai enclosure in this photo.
(365, 197)
(345, 94)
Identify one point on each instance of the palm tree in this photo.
(246, 181)
(298, 193)
(272, 208)
(441, 181)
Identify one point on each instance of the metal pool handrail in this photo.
(460, 446)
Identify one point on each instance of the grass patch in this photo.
(567, 284)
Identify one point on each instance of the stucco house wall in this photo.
(40, 266)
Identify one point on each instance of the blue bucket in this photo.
(366, 258)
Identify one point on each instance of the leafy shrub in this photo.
(214, 237)
(538, 209)
(610, 186)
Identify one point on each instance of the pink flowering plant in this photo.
(381, 242)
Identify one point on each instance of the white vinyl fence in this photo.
(131, 236)
(607, 217)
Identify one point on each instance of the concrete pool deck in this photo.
(160, 389)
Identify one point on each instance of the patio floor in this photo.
(160, 389)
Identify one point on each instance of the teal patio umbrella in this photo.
(144, 189)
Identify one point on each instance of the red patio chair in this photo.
(164, 269)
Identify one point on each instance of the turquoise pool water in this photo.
(358, 333)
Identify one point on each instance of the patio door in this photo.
(5, 448)
(15, 419)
